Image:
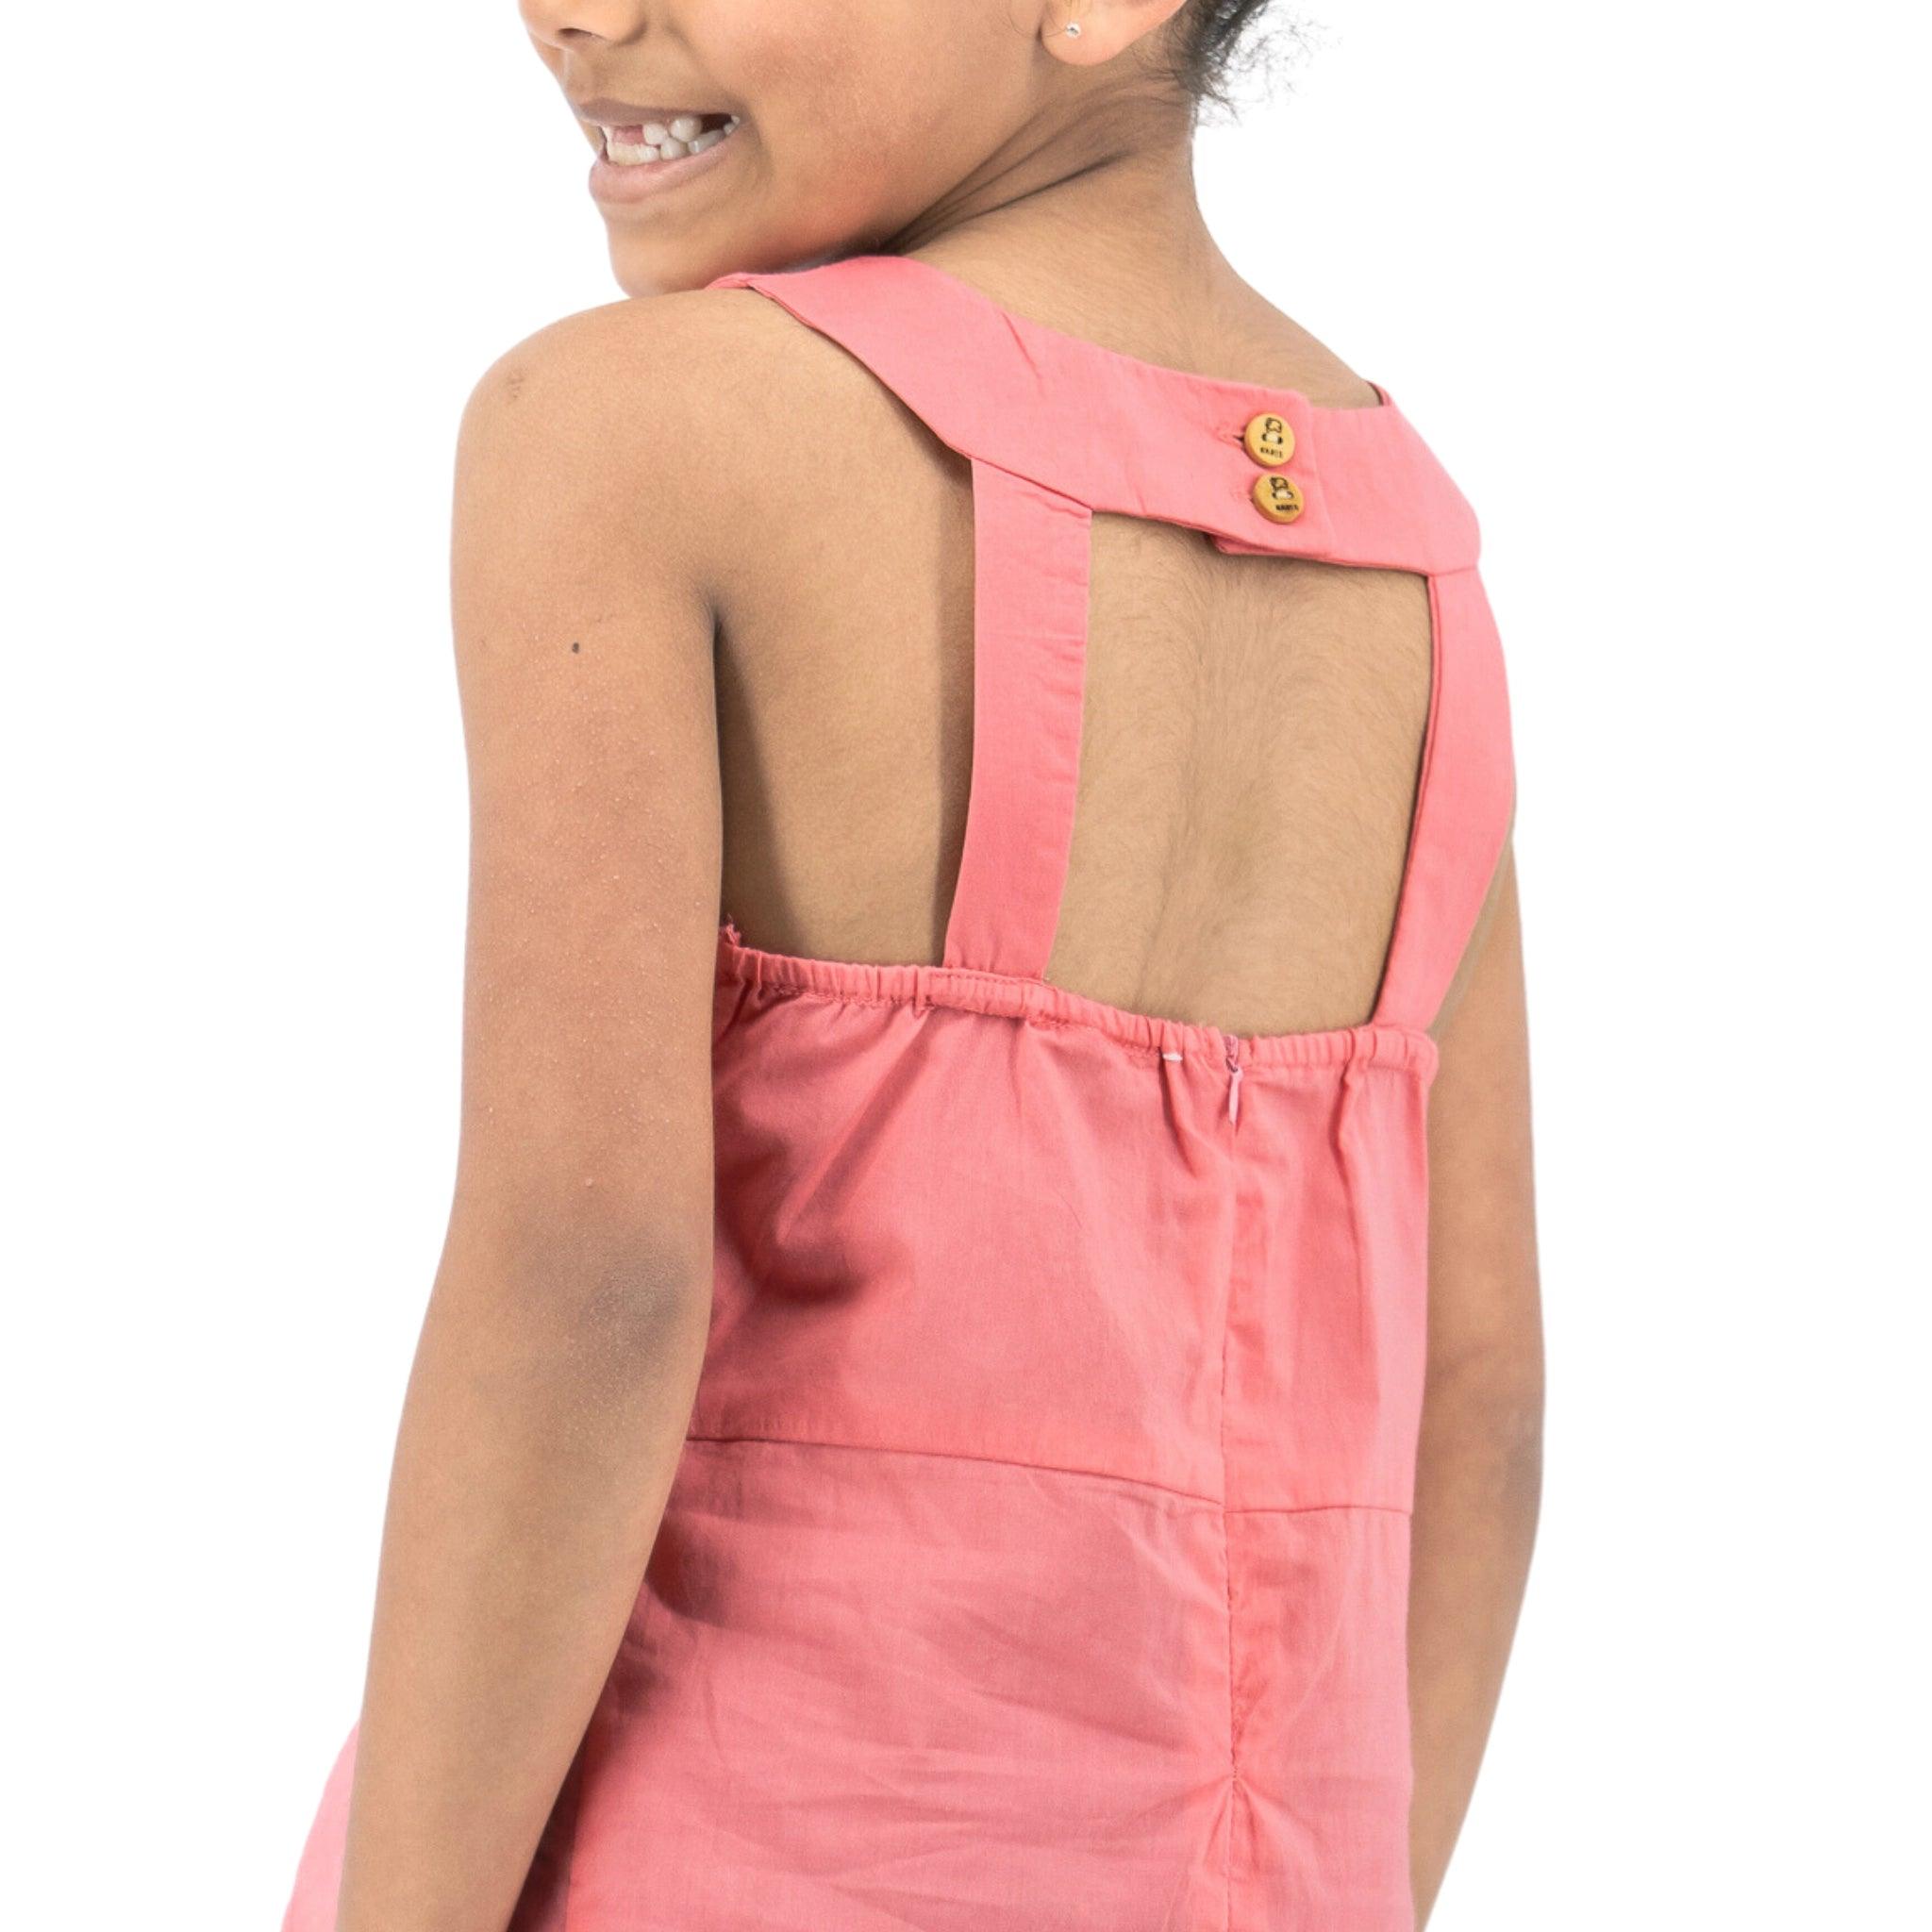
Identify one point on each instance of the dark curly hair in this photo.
(1209, 42)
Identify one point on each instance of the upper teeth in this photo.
(683, 134)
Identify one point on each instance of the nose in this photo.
(564, 23)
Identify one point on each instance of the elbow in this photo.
(1516, 1436)
(1487, 1422)
(618, 1335)
(578, 1290)
(640, 1300)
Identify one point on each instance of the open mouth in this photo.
(668, 139)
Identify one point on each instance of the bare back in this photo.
(1251, 735)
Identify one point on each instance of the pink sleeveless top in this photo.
(1038, 1558)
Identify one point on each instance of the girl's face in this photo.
(801, 129)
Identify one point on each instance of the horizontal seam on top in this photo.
(966, 1455)
(1049, 1469)
(1312, 1508)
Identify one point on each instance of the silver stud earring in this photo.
(1072, 29)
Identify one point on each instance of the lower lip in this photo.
(612, 183)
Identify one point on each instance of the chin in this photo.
(646, 263)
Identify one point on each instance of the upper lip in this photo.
(605, 113)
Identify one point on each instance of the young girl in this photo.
(985, 1375)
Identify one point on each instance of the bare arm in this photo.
(560, 1355)
(1479, 1469)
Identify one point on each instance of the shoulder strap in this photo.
(1464, 802)
(1030, 550)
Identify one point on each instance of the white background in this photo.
(1639, 275)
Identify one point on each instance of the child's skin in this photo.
(641, 494)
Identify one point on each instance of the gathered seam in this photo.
(1376, 1046)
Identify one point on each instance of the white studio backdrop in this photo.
(1644, 280)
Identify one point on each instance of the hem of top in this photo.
(1040, 1003)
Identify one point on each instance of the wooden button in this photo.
(1276, 498)
(1269, 441)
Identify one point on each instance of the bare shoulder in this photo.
(646, 353)
(592, 465)
(659, 413)
(616, 391)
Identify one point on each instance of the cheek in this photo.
(863, 113)
(911, 93)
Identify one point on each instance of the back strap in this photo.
(1030, 556)
(1464, 804)
(1031, 552)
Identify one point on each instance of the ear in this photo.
(1105, 28)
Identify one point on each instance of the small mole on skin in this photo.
(576, 646)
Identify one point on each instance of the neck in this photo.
(1086, 227)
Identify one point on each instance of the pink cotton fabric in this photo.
(1038, 1558)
